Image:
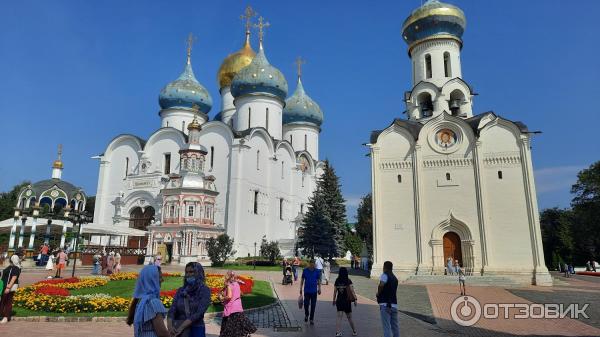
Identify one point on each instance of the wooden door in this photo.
(452, 247)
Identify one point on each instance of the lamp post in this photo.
(77, 218)
(254, 260)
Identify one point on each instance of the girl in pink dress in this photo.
(235, 323)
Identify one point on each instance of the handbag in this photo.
(300, 302)
(177, 322)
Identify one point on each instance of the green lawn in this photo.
(246, 267)
(262, 295)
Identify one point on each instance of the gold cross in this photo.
(190, 41)
(299, 62)
(261, 26)
(249, 13)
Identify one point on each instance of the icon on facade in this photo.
(445, 138)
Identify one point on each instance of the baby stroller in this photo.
(287, 276)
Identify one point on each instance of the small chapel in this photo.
(448, 183)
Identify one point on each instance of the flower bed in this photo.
(133, 276)
(54, 296)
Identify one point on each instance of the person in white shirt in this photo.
(319, 267)
(461, 279)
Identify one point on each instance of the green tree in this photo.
(8, 200)
(353, 243)
(586, 212)
(90, 203)
(269, 250)
(316, 235)
(364, 224)
(220, 249)
(335, 207)
(556, 224)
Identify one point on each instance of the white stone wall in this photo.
(179, 118)
(303, 137)
(252, 112)
(436, 49)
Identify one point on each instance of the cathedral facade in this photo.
(447, 183)
(255, 163)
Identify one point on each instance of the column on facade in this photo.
(22, 234)
(468, 257)
(48, 228)
(378, 259)
(13, 234)
(480, 193)
(32, 236)
(438, 256)
(422, 267)
(63, 235)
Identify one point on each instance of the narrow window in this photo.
(447, 68)
(499, 174)
(414, 68)
(448, 176)
(302, 208)
(171, 211)
(190, 211)
(257, 160)
(267, 118)
(292, 140)
(305, 141)
(282, 165)
(167, 163)
(249, 117)
(280, 208)
(399, 178)
(126, 166)
(167, 123)
(212, 156)
(303, 179)
(255, 202)
(183, 126)
(427, 66)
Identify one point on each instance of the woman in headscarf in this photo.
(235, 323)
(146, 312)
(10, 279)
(110, 263)
(186, 315)
(117, 262)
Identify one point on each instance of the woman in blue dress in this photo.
(146, 312)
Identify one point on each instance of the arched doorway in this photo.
(452, 247)
(140, 219)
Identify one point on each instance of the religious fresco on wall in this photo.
(445, 138)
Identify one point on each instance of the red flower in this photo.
(52, 291)
(168, 293)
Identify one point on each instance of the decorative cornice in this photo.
(502, 159)
(448, 162)
(396, 165)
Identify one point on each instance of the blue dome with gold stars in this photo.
(434, 19)
(259, 77)
(185, 92)
(300, 108)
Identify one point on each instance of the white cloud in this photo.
(352, 201)
(559, 178)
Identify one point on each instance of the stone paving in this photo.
(420, 305)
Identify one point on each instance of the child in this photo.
(50, 266)
(461, 280)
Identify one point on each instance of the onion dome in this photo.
(194, 125)
(434, 19)
(300, 108)
(185, 92)
(234, 62)
(259, 77)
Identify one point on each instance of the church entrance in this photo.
(452, 247)
(140, 219)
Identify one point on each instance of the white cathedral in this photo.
(447, 183)
(249, 172)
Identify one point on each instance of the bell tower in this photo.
(433, 33)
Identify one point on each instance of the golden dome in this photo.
(235, 62)
(58, 164)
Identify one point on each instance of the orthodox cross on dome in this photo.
(299, 62)
(249, 13)
(261, 28)
(59, 151)
(190, 41)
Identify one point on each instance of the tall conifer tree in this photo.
(316, 234)
(336, 206)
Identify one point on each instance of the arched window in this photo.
(305, 141)
(255, 206)
(212, 156)
(257, 160)
(280, 208)
(167, 123)
(447, 66)
(428, 73)
(140, 218)
(291, 140)
(126, 167)
(267, 118)
(425, 104)
(167, 169)
(499, 174)
(249, 117)
(456, 99)
(448, 176)
(399, 178)
(414, 70)
(183, 126)
(282, 165)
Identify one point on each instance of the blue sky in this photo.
(81, 72)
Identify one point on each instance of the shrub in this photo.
(220, 249)
(261, 263)
(269, 250)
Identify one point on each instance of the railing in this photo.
(94, 249)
